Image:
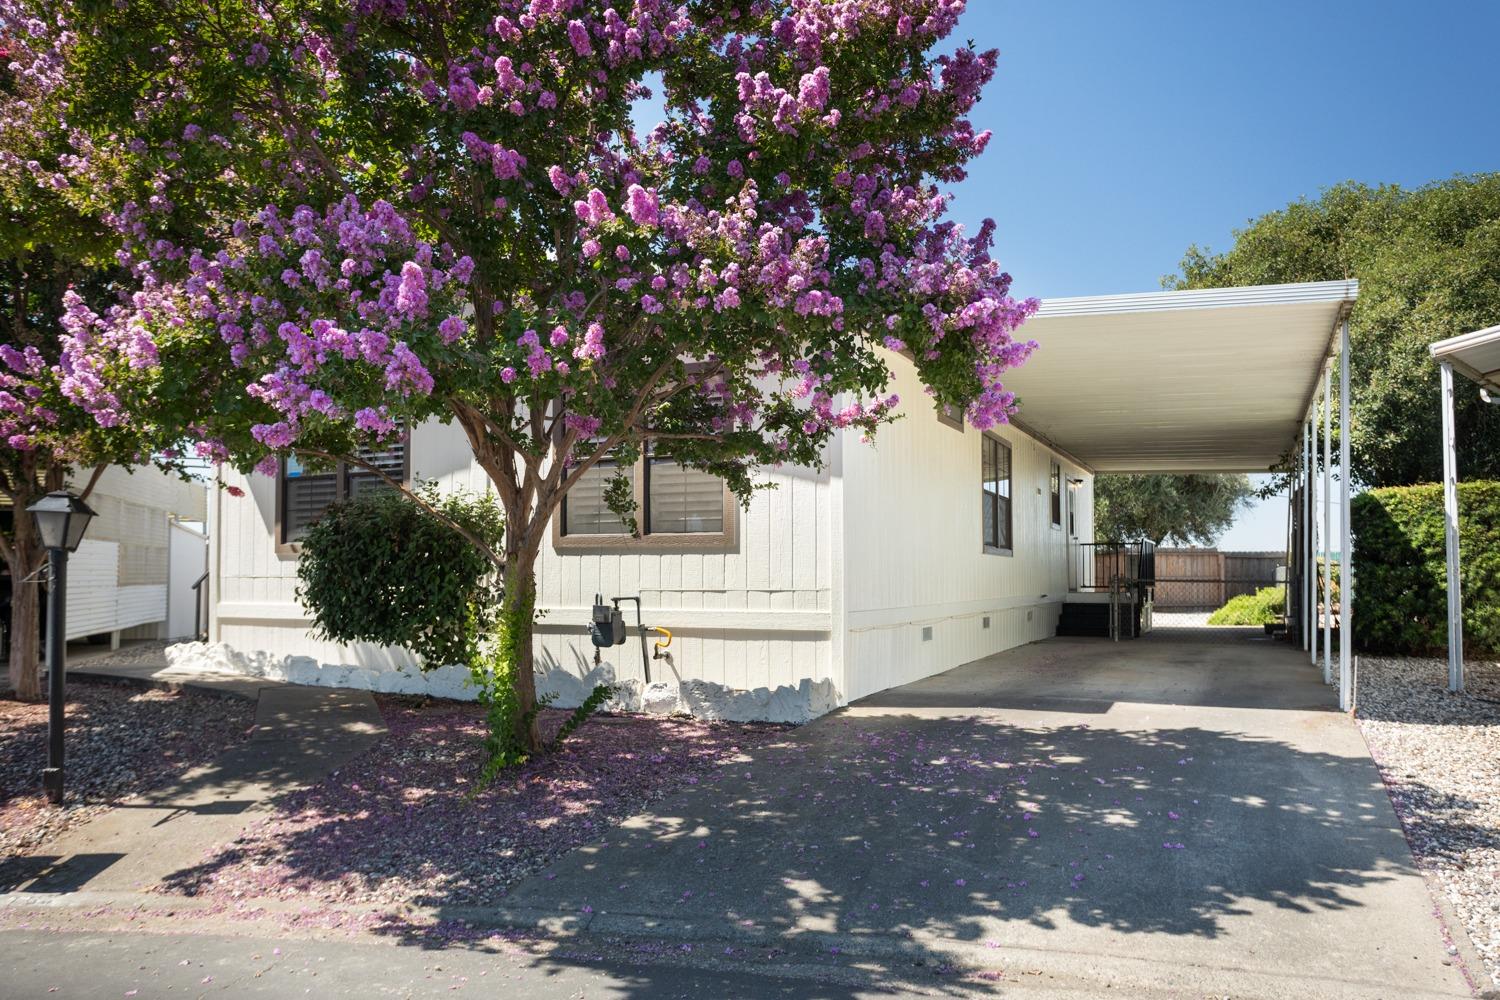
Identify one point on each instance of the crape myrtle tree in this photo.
(444, 210)
(68, 377)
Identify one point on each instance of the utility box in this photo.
(607, 627)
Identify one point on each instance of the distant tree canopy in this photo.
(1428, 264)
(1188, 510)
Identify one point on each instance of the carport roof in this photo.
(1476, 355)
(1212, 380)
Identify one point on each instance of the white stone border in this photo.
(696, 698)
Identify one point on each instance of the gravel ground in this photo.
(1440, 757)
(397, 825)
(120, 741)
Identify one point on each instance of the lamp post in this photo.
(61, 519)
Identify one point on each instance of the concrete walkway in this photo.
(300, 734)
(1159, 818)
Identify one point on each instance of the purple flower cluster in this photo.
(781, 230)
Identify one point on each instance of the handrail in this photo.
(200, 595)
(1094, 565)
(1126, 571)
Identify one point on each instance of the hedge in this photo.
(1401, 583)
(1264, 607)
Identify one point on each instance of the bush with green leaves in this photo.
(1400, 568)
(1264, 607)
(380, 568)
(386, 569)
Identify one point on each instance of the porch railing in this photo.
(1094, 566)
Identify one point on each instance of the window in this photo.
(995, 494)
(676, 507)
(1055, 485)
(584, 511)
(681, 500)
(304, 496)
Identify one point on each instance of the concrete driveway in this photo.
(1159, 818)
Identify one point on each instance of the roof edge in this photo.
(1444, 348)
(1298, 293)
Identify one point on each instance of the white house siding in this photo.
(831, 581)
(913, 553)
(759, 616)
(117, 580)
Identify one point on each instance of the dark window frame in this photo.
(991, 543)
(1055, 489)
(725, 540)
(342, 473)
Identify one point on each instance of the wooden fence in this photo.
(1203, 579)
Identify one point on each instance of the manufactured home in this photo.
(935, 545)
(138, 563)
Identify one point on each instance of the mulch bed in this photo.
(398, 825)
(121, 741)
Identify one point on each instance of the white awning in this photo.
(1475, 355)
(1214, 380)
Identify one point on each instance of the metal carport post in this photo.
(1450, 529)
(1327, 525)
(1346, 542)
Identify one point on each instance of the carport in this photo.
(1213, 380)
(1476, 356)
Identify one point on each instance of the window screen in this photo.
(680, 500)
(584, 511)
(995, 493)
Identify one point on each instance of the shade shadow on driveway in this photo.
(1151, 816)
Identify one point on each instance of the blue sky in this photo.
(1125, 131)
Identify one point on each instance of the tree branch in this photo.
(93, 481)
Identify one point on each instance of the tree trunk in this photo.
(25, 618)
(518, 625)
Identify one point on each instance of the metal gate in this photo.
(1194, 586)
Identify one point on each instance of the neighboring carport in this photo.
(1476, 356)
(1212, 380)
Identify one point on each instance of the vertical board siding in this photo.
(779, 562)
(902, 551)
(118, 577)
(913, 552)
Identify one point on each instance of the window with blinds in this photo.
(680, 500)
(305, 496)
(584, 511)
(995, 493)
(673, 501)
(390, 460)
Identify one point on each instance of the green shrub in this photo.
(1263, 607)
(381, 569)
(1400, 569)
